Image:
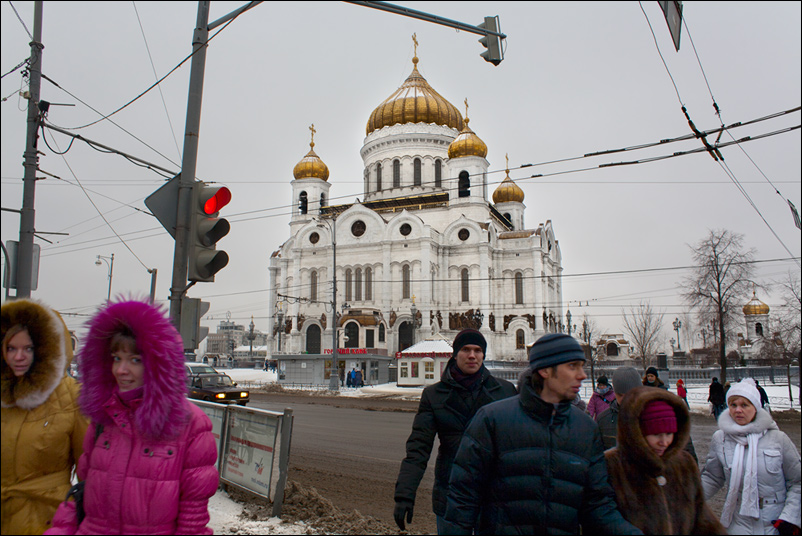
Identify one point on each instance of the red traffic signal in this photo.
(218, 197)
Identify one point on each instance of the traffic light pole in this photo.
(189, 162)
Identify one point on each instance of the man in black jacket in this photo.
(534, 463)
(445, 410)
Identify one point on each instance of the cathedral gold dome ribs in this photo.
(467, 144)
(755, 307)
(414, 102)
(508, 191)
(311, 166)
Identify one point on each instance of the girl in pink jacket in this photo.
(149, 454)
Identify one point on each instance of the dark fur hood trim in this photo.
(631, 442)
(52, 354)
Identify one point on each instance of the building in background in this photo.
(429, 249)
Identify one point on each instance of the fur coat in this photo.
(675, 507)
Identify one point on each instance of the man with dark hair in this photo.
(534, 463)
(715, 395)
(445, 410)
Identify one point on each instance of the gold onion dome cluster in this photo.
(414, 102)
(755, 307)
(467, 144)
(311, 166)
(508, 191)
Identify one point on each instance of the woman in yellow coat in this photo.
(42, 427)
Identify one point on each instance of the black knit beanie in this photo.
(468, 336)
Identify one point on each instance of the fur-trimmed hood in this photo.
(52, 354)
(631, 442)
(163, 410)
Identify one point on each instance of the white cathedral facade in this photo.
(427, 252)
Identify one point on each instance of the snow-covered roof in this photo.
(438, 347)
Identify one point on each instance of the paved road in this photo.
(350, 450)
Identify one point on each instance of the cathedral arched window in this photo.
(313, 286)
(464, 184)
(464, 280)
(612, 349)
(348, 285)
(519, 288)
(417, 172)
(303, 203)
(378, 177)
(759, 329)
(405, 282)
(438, 174)
(381, 333)
(520, 339)
(358, 284)
(368, 284)
(396, 173)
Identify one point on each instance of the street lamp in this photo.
(111, 270)
(251, 337)
(677, 324)
(334, 376)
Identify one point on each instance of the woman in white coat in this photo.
(757, 463)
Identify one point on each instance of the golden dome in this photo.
(414, 102)
(467, 144)
(755, 307)
(311, 166)
(508, 191)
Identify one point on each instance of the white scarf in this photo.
(744, 464)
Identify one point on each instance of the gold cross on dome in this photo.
(415, 41)
(466, 106)
(312, 128)
(507, 156)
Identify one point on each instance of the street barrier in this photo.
(247, 440)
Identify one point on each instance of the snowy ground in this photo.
(226, 514)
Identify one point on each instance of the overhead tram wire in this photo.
(713, 150)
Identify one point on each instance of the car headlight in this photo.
(220, 395)
(243, 394)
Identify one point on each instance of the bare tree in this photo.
(643, 325)
(590, 331)
(720, 280)
(789, 319)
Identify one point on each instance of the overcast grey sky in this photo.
(577, 78)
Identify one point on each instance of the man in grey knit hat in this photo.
(624, 379)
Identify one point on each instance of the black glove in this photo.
(402, 509)
(785, 528)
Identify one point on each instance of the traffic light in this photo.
(491, 42)
(192, 309)
(205, 231)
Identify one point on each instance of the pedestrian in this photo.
(682, 392)
(342, 376)
(149, 458)
(625, 379)
(42, 426)
(757, 464)
(359, 382)
(715, 395)
(349, 379)
(533, 463)
(602, 397)
(764, 398)
(656, 481)
(652, 379)
(445, 409)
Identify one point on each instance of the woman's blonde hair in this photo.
(13, 330)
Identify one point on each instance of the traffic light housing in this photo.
(206, 229)
(491, 42)
(192, 333)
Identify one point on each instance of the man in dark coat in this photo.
(445, 410)
(625, 379)
(715, 395)
(534, 463)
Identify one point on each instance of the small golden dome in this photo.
(311, 166)
(414, 102)
(508, 191)
(755, 307)
(467, 144)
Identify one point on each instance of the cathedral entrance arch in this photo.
(352, 335)
(404, 336)
(313, 339)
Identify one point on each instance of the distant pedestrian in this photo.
(533, 463)
(715, 395)
(349, 381)
(656, 481)
(652, 379)
(43, 427)
(764, 398)
(149, 458)
(445, 409)
(602, 397)
(757, 464)
(359, 382)
(682, 392)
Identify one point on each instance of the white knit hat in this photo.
(747, 389)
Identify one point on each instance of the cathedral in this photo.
(428, 250)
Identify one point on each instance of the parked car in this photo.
(217, 388)
(193, 369)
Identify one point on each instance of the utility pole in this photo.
(27, 228)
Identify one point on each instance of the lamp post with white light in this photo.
(111, 270)
(677, 324)
(334, 376)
